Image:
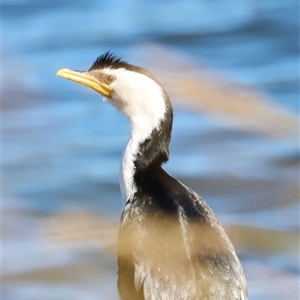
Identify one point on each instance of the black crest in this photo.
(113, 61)
(109, 60)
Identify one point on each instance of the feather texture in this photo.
(176, 253)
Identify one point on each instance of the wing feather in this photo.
(174, 259)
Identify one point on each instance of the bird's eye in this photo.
(109, 78)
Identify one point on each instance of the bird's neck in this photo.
(148, 147)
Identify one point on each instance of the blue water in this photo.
(62, 145)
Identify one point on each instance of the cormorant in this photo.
(171, 245)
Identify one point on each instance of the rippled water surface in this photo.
(62, 145)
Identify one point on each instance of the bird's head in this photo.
(131, 89)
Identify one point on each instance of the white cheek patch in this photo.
(137, 96)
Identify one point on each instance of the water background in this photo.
(62, 145)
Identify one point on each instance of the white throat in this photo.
(142, 100)
(127, 185)
(141, 129)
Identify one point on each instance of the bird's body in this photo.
(171, 245)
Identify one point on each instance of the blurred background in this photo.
(232, 71)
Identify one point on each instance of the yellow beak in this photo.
(86, 79)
